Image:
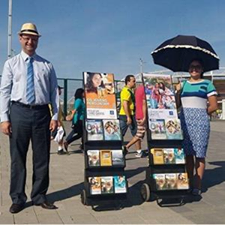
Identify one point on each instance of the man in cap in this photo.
(28, 85)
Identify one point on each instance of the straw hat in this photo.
(29, 28)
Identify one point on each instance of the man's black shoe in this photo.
(47, 205)
(61, 152)
(15, 208)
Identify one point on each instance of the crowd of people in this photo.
(29, 86)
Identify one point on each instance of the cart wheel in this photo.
(145, 192)
(83, 196)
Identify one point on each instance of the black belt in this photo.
(29, 106)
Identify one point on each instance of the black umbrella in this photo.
(177, 53)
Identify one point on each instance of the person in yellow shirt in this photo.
(127, 110)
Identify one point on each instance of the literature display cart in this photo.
(166, 175)
(104, 177)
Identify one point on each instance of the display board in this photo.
(161, 105)
(100, 95)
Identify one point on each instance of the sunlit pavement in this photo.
(66, 184)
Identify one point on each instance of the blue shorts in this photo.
(124, 126)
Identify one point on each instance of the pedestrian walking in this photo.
(140, 115)
(127, 110)
(77, 118)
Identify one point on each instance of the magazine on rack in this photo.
(106, 185)
(100, 95)
(171, 181)
(182, 181)
(93, 157)
(120, 184)
(111, 130)
(95, 185)
(157, 155)
(94, 130)
(117, 157)
(179, 155)
(158, 130)
(168, 155)
(160, 180)
(105, 157)
(173, 129)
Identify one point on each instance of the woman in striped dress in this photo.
(195, 94)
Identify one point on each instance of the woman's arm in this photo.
(70, 117)
(212, 107)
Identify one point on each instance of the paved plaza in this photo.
(66, 184)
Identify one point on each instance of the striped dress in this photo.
(194, 118)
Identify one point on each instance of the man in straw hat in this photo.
(28, 85)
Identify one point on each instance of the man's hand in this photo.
(142, 122)
(6, 128)
(69, 118)
(129, 120)
(53, 125)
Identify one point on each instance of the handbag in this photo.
(59, 135)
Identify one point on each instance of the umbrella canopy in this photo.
(177, 53)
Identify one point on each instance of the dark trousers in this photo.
(29, 125)
(76, 132)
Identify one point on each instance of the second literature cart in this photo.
(166, 175)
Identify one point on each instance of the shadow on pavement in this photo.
(134, 172)
(66, 193)
(214, 176)
(133, 199)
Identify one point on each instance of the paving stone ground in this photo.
(66, 184)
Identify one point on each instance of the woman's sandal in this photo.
(196, 192)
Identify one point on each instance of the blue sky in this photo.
(111, 35)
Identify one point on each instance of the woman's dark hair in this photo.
(79, 93)
(201, 63)
(89, 84)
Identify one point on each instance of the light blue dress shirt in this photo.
(14, 81)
